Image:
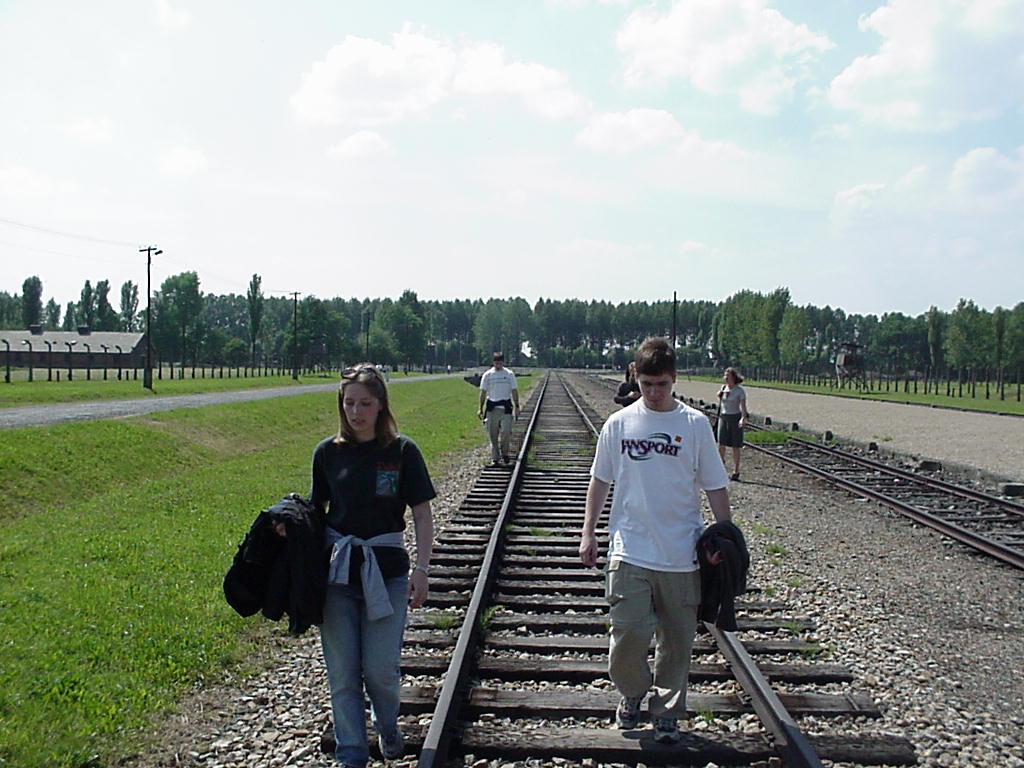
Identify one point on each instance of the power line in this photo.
(67, 234)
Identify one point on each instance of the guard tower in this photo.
(850, 364)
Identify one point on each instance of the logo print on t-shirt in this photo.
(644, 449)
(387, 482)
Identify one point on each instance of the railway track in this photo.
(508, 660)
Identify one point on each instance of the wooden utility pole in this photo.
(147, 373)
(295, 335)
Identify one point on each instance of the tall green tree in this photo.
(936, 321)
(1015, 340)
(254, 301)
(70, 317)
(87, 305)
(517, 321)
(969, 336)
(177, 321)
(406, 328)
(999, 338)
(106, 317)
(489, 330)
(10, 310)
(52, 315)
(32, 301)
(793, 336)
(773, 307)
(129, 314)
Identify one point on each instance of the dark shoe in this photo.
(391, 745)
(505, 460)
(735, 476)
(666, 730)
(627, 714)
(493, 463)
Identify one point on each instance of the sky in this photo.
(864, 154)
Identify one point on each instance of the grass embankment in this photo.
(115, 538)
(991, 405)
(40, 392)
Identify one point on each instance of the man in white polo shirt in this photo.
(499, 397)
(660, 454)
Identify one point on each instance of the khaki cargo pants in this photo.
(645, 603)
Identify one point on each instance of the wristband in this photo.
(422, 569)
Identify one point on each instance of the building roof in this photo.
(95, 340)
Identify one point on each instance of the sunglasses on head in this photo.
(351, 373)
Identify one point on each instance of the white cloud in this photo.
(362, 82)
(982, 184)
(622, 132)
(180, 162)
(986, 177)
(941, 63)
(857, 206)
(170, 16)
(736, 47)
(361, 144)
(90, 130)
(484, 70)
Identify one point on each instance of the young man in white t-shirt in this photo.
(499, 397)
(660, 454)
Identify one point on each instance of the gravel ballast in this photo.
(932, 632)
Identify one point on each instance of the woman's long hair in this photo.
(735, 374)
(386, 428)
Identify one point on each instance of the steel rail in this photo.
(934, 482)
(977, 541)
(434, 752)
(791, 743)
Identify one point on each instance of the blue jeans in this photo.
(359, 653)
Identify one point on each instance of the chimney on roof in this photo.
(35, 329)
(84, 330)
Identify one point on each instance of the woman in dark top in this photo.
(732, 418)
(364, 478)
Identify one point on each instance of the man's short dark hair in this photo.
(655, 357)
(498, 356)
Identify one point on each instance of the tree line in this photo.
(748, 329)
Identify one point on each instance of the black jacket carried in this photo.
(282, 575)
(722, 581)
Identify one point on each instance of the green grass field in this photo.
(39, 392)
(115, 538)
(992, 405)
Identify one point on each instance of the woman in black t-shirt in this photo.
(364, 478)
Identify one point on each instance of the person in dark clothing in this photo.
(363, 479)
(629, 390)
